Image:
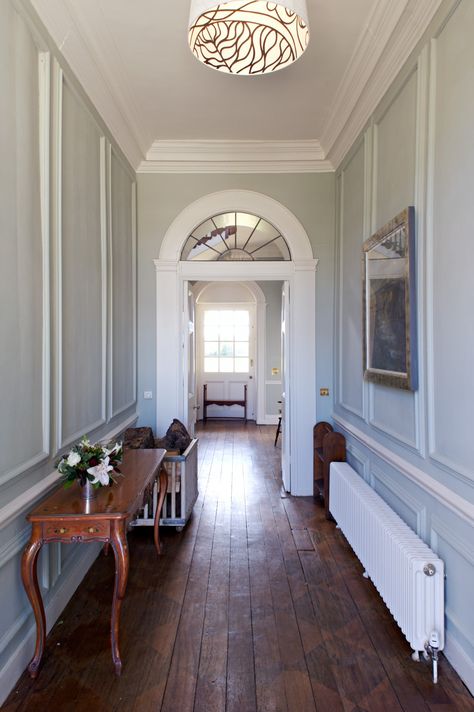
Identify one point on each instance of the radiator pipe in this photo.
(431, 649)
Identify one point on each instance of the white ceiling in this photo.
(133, 60)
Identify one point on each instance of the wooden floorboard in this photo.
(258, 605)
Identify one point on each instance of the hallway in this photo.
(258, 604)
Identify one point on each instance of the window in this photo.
(236, 237)
(226, 341)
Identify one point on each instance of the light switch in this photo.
(148, 395)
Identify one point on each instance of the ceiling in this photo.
(133, 60)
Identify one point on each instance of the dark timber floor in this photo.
(259, 604)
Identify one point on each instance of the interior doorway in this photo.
(238, 343)
(174, 273)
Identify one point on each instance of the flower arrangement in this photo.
(93, 463)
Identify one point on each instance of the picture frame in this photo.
(389, 299)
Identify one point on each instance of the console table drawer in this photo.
(76, 531)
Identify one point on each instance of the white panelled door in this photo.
(226, 356)
(285, 421)
(191, 406)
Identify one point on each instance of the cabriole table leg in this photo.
(29, 577)
(120, 549)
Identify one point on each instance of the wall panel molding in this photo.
(363, 460)
(44, 96)
(114, 411)
(13, 546)
(63, 440)
(439, 529)
(27, 499)
(405, 498)
(411, 444)
(449, 499)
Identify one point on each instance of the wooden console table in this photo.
(219, 401)
(67, 518)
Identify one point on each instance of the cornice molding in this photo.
(394, 29)
(207, 156)
(90, 60)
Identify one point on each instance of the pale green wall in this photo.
(162, 197)
(67, 315)
(418, 150)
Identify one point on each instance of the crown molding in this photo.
(90, 58)
(393, 31)
(206, 156)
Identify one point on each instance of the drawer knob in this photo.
(62, 530)
(91, 530)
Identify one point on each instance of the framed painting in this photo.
(389, 304)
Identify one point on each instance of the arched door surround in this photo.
(172, 277)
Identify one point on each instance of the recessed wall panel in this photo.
(123, 285)
(21, 264)
(393, 410)
(351, 239)
(81, 298)
(452, 288)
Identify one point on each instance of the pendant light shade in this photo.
(248, 37)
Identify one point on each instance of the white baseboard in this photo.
(67, 584)
(460, 661)
(268, 420)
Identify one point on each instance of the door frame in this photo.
(171, 276)
(260, 304)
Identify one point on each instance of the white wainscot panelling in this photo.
(122, 358)
(410, 509)
(350, 387)
(358, 460)
(24, 280)
(450, 284)
(458, 556)
(81, 295)
(15, 606)
(394, 412)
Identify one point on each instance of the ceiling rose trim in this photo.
(393, 31)
(206, 156)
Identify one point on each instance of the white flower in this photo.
(101, 472)
(73, 458)
(114, 451)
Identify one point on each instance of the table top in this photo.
(122, 499)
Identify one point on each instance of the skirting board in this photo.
(20, 658)
(268, 420)
(460, 661)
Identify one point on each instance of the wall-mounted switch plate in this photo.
(148, 395)
(324, 391)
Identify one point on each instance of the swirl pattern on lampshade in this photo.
(248, 37)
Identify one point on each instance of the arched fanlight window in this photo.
(235, 237)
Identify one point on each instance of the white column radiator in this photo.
(405, 571)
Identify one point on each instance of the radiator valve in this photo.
(431, 652)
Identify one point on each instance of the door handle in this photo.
(196, 407)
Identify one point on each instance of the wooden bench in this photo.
(328, 446)
(219, 401)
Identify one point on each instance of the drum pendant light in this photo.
(248, 37)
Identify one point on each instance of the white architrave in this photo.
(171, 274)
